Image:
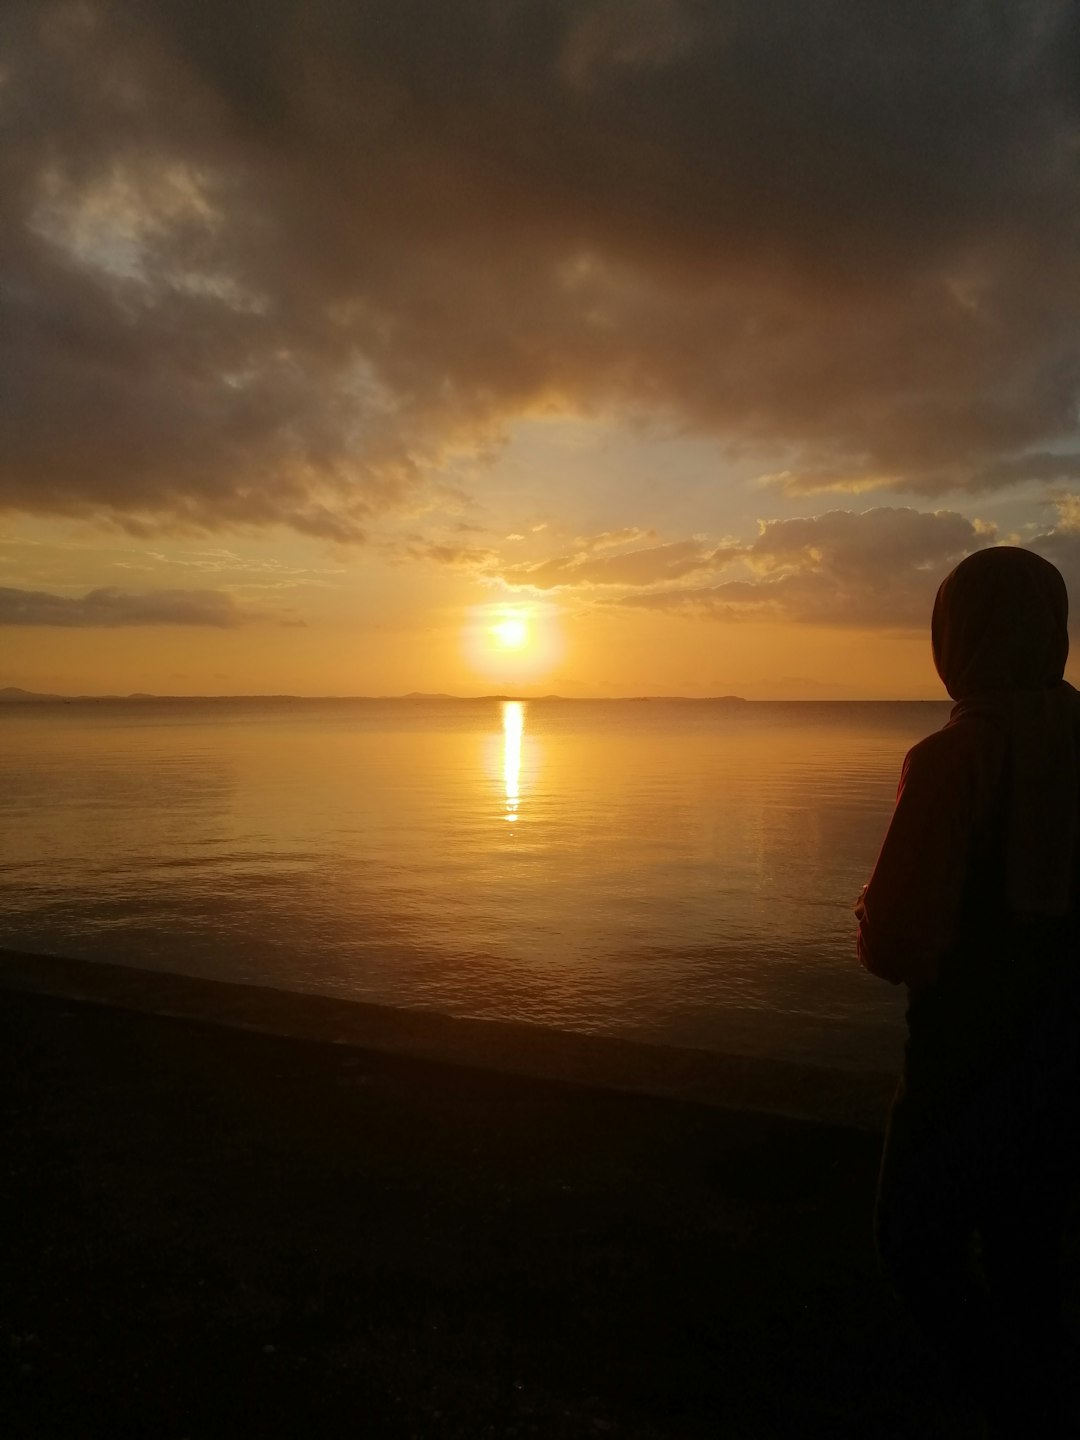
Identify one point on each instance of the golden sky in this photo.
(694, 341)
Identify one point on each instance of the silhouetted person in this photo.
(974, 905)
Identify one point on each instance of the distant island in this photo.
(13, 695)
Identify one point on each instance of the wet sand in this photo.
(216, 1231)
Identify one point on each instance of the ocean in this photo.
(679, 872)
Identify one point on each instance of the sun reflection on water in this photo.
(513, 717)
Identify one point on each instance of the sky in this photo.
(696, 340)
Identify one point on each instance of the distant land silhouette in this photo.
(13, 695)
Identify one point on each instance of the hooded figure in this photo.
(1001, 779)
(973, 904)
(1001, 639)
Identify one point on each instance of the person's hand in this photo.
(860, 906)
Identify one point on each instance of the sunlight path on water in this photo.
(513, 727)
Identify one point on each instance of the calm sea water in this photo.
(681, 872)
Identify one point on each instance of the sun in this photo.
(511, 633)
(512, 643)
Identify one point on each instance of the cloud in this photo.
(273, 262)
(472, 558)
(876, 570)
(1001, 474)
(651, 566)
(631, 35)
(109, 608)
(1060, 543)
(610, 539)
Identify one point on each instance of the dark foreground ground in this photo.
(207, 1232)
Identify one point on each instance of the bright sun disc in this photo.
(511, 633)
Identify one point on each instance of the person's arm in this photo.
(907, 913)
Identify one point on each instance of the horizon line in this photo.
(14, 694)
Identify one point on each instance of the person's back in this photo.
(974, 904)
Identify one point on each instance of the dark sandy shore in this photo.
(208, 1231)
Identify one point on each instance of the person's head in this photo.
(1001, 623)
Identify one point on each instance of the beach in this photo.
(214, 1230)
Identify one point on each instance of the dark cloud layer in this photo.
(266, 262)
(876, 570)
(108, 608)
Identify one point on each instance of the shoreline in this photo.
(856, 1099)
(210, 1230)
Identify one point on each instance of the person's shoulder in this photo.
(965, 746)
